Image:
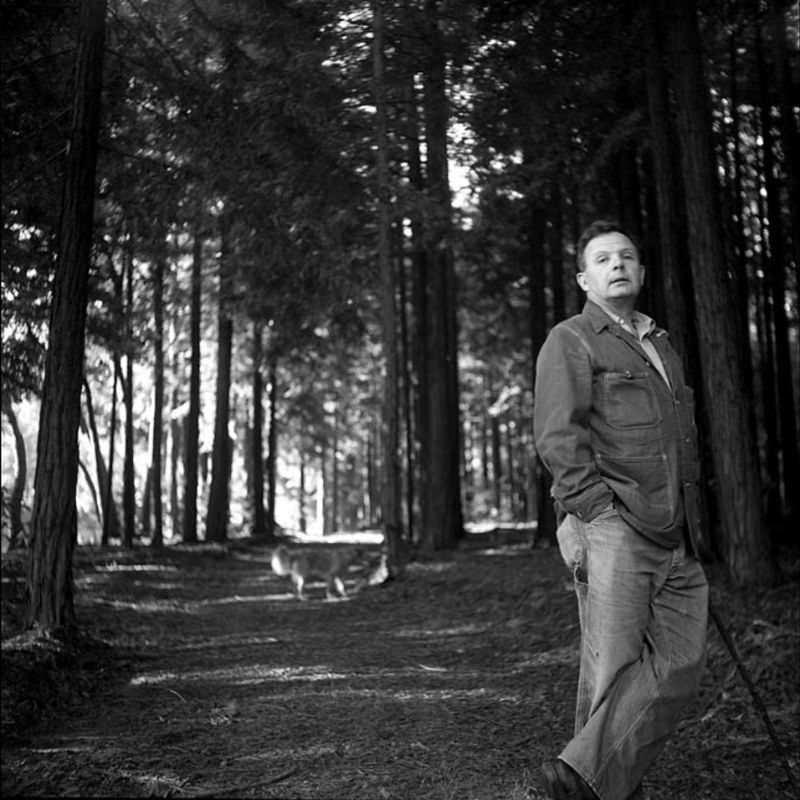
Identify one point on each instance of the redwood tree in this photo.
(390, 499)
(442, 522)
(54, 520)
(742, 540)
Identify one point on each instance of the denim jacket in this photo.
(611, 430)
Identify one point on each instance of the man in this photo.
(614, 424)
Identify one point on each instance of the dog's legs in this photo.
(298, 586)
(339, 583)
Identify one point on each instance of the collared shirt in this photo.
(641, 326)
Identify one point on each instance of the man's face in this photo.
(612, 273)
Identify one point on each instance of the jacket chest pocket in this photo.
(627, 400)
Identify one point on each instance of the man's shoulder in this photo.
(576, 324)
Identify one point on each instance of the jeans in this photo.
(643, 613)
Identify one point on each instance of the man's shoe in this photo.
(561, 782)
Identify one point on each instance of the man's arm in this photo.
(562, 404)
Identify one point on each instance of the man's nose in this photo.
(616, 260)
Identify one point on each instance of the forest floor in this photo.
(202, 676)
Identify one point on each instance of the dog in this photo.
(330, 563)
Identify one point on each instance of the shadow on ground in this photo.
(210, 679)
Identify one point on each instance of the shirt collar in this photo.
(600, 318)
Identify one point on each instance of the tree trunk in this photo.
(743, 544)
(545, 513)
(790, 138)
(419, 304)
(444, 524)
(107, 504)
(128, 476)
(54, 520)
(556, 252)
(16, 533)
(390, 489)
(257, 443)
(191, 444)
(408, 411)
(301, 494)
(333, 495)
(790, 475)
(108, 486)
(218, 498)
(674, 267)
(272, 443)
(156, 460)
(175, 437)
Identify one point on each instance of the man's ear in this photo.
(581, 279)
(644, 271)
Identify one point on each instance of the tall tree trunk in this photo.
(743, 544)
(545, 512)
(156, 458)
(408, 411)
(302, 491)
(390, 494)
(674, 268)
(442, 489)
(777, 282)
(18, 492)
(556, 252)
(191, 444)
(272, 442)
(128, 472)
(218, 498)
(767, 374)
(107, 504)
(334, 485)
(108, 486)
(790, 137)
(54, 521)
(175, 436)
(419, 304)
(497, 465)
(257, 443)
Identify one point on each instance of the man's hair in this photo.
(598, 228)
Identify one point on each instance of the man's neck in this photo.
(620, 309)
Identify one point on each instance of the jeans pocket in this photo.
(572, 546)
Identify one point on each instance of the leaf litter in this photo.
(199, 675)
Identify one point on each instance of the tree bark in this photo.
(257, 443)
(218, 498)
(390, 489)
(419, 304)
(444, 524)
(108, 486)
(191, 444)
(545, 512)
(790, 137)
(272, 442)
(128, 475)
(674, 267)
(790, 475)
(743, 544)
(16, 532)
(54, 520)
(156, 456)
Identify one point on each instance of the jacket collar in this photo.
(597, 316)
(600, 319)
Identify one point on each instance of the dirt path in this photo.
(453, 683)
